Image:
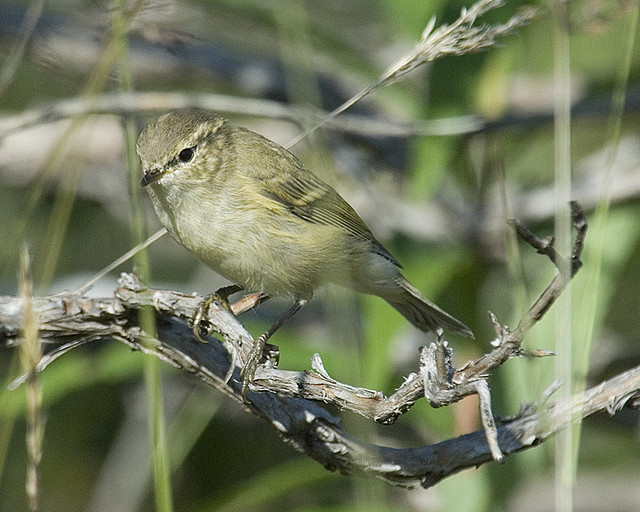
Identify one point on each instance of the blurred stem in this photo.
(291, 19)
(16, 53)
(8, 416)
(152, 373)
(292, 23)
(57, 163)
(564, 453)
(30, 355)
(601, 215)
(59, 219)
(278, 481)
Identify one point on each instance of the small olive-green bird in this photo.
(251, 211)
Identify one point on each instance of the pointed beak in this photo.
(151, 176)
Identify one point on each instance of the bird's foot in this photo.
(200, 323)
(261, 353)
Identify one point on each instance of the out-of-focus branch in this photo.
(155, 102)
(15, 55)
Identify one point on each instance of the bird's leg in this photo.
(199, 320)
(257, 352)
(247, 303)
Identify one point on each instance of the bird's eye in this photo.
(186, 154)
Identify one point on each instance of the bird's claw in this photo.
(261, 351)
(200, 322)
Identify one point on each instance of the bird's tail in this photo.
(424, 314)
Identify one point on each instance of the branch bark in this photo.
(281, 397)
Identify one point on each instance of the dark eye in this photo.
(186, 154)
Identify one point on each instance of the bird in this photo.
(251, 211)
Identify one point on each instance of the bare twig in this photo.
(121, 260)
(437, 375)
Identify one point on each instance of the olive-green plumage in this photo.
(251, 211)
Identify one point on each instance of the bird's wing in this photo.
(314, 201)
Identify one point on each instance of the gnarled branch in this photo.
(69, 320)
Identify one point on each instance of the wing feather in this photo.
(316, 202)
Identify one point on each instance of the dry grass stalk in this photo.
(30, 356)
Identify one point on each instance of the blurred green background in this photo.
(439, 203)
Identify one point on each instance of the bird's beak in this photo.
(151, 176)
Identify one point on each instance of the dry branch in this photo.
(69, 320)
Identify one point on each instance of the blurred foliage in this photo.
(96, 454)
